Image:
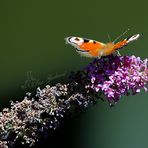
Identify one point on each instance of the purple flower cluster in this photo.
(34, 117)
(115, 76)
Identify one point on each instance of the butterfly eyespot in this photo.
(77, 39)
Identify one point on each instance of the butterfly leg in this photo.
(98, 57)
(118, 53)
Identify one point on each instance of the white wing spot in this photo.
(134, 37)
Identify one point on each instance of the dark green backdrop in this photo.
(32, 39)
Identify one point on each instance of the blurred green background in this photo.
(32, 39)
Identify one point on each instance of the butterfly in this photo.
(95, 49)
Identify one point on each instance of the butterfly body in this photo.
(91, 48)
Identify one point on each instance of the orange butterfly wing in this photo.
(93, 47)
(120, 45)
(125, 41)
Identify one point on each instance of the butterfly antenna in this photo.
(121, 35)
(109, 38)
